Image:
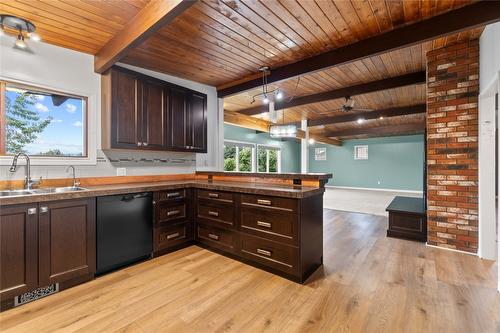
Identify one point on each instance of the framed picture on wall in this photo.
(320, 154)
(360, 152)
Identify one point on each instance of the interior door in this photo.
(178, 119)
(125, 124)
(18, 250)
(153, 115)
(66, 240)
(198, 122)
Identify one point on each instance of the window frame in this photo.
(268, 148)
(90, 117)
(241, 144)
(357, 156)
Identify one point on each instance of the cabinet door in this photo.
(153, 116)
(178, 119)
(18, 250)
(125, 121)
(66, 240)
(198, 122)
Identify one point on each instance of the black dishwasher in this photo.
(124, 230)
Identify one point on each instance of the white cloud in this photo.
(70, 108)
(56, 121)
(40, 97)
(77, 124)
(41, 108)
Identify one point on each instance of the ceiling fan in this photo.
(348, 106)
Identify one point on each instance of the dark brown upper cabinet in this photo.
(141, 112)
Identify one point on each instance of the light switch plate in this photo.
(121, 171)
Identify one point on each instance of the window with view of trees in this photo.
(238, 156)
(268, 159)
(42, 123)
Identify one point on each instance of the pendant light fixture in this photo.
(266, 94)
(20, 28)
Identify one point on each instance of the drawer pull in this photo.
(213, 195)
(31, 211)
(174, 235)
(213, 213)
(264, 202)
(173, 212)
(212, 236)
(173, 195)
(264, 252)
(264, 224)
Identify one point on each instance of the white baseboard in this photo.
(374, 189)
(453, 250)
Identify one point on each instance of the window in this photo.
(360, 152)
(42, 123)
(268, 159)
(239, 156)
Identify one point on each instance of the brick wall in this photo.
(452, 146)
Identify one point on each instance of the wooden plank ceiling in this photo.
(220, 42)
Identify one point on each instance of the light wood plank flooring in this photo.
(369, 283)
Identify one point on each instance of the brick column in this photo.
(452, 146)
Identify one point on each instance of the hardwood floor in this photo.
(369, 283)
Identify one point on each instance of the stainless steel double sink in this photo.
(12, 193)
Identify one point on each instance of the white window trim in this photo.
(268, 147)
(92, 110)
(238, 144)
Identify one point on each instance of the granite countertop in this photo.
(292, 175)
(102, 190)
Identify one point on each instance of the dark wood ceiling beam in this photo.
(149, 20)
(454, 21)
(364, 88)
(386, 113)
(378, 130)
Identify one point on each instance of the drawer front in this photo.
(279, 256)
(276, 225)
(172, 195)
(172, 235)
(220, 214)
(169, 213)
(285, 204)
(406, 223)
(216, 237)
(216, 196)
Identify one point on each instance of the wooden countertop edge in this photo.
(303, 176)
(296, 192)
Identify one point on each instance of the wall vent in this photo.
(36, 294)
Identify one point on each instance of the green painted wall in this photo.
(397, 162)
(290, 150)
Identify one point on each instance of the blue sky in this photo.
(65, 132)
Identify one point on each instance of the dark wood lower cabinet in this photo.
(44, 244)
(18, 250)
(407, 219)
(66, 240)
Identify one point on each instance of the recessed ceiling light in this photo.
(360, 120)
(381, 117)
(311, 141)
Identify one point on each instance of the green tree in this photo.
(52, 152)
(22, 123)
(245, 159)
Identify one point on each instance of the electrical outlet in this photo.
(121, 171)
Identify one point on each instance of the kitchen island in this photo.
(264, 221)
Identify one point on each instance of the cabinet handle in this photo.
(264, 252)
(32, 211)
(44, 209)
(173, 195)
(174, 235)
(212, 236)
(264, 224)
(213, 213)
(213, 195)
(144, 144)
(264, 202)
(173, 212)
(139, 144)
